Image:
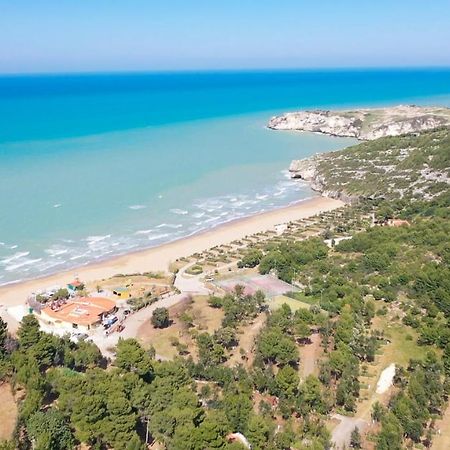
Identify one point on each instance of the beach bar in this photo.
(79, 313)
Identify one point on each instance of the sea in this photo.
(98, 165)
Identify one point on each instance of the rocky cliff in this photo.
(412, 166)
(309, 170)
(365, 124)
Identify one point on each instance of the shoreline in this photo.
(159, 258)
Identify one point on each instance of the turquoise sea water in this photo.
(97, 165)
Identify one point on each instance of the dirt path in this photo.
(8, 412)
(309, 357)
(246, 342)
(133, 322)
(192, 284)
(441, 440)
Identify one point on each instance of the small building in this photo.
(79, 313)
(75, 285)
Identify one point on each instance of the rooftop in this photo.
(81, 311)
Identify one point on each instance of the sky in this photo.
(152, 35)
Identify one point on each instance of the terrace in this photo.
(79, 313)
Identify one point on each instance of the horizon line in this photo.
(224, 70)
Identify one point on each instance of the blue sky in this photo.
(116, 35)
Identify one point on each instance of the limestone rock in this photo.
(365, 124)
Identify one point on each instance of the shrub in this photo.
(160, 318)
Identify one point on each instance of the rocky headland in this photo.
(365, 124)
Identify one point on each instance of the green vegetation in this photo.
(196, 269)
(407, 166)
(383, 295)
(160, 318)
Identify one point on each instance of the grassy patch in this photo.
(294, 304)
(400, 348)
(8, 412)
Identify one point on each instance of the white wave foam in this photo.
(92, 240)
(137, 207)
(211, 219)
(24, 263)
(144, 231)
(49, 264)
(169, 225)
(82, 255)
(57, 205)
(181, 212)
(158, 236)
(6, 283)
(14, 257)
(198, 215)
(56, 251)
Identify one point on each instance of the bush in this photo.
(195, 270)
(251, 259)
(160, 318)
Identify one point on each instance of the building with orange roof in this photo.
(80, 313)
(75, 285)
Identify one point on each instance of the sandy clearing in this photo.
(386, 379)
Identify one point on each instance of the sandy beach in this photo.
(159, 258)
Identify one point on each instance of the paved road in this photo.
(133, 322)
(191, 284)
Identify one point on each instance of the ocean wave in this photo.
(7, 283)
(57, 205)
(21, 264)
(82, 255)
(181, 212)
(169, 225)
(10, 247)
(68, 241)
(211, 219)
(14, 257)
(144, 231)
(200, 214)
(92, 240)
(55, 251)
(158, 236)
(49, 265)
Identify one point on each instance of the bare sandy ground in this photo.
(159, 258)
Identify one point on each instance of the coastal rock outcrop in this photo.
(308, 170)
(365, 124)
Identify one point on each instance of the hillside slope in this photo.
(416, 166)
